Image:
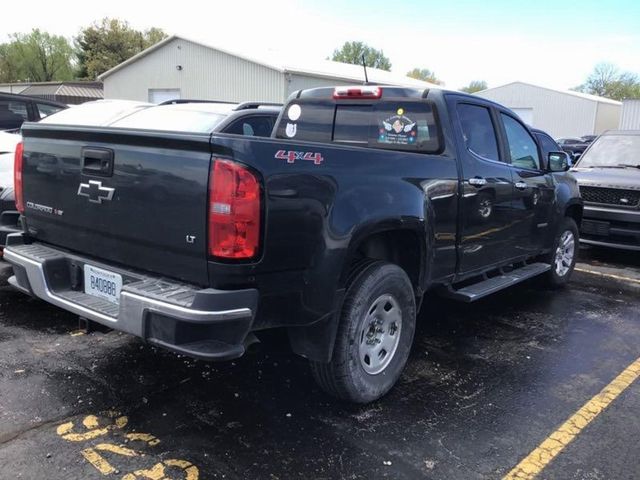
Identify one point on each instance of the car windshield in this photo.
(196, 118)
(613, 151)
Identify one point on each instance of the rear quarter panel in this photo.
(316, 212)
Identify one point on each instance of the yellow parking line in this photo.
(551, 447)
(608, 275)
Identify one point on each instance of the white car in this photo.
(8, 142)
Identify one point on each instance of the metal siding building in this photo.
(13, 87)
(630, 118)
(195, 71)
(560, 113)
(181, 68)
(71, 93)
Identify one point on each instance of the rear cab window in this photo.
(408, 124)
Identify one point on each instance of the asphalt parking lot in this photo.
(486, 385)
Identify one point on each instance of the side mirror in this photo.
(558, 162)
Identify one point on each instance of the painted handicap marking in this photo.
(92, 424)
(110, 422)
(101, 464)
(158, 471)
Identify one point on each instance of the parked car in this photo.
(8, 142)
(332, 230)
(248, 118)
(609, 177)
(573, 146)
(588, 138)
(9, 216)
(96, 113)
(16, 109)
(198, 116)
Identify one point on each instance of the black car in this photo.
(332, 230)
(573, 146)
(16, 109)
(609, 177)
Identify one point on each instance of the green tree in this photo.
(352, 52)
(107, 43)
(607, 80)
(36, 57)
(475, 86)
(425, 75)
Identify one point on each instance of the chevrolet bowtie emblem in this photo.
(95, 192)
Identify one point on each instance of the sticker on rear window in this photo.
(398, 129)
(291, 130)
(294, 112)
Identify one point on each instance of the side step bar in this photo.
(479, 290)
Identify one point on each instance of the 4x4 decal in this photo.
(291, 156)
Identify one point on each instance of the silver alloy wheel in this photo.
(485, 207)
(565, 252)
(380, 334)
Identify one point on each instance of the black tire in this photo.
(345, 376)
(556, 278)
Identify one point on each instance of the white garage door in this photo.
(159, 95)
(526, 114)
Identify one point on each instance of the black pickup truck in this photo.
(363, 199)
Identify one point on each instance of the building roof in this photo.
(320, 68)
(585, 96)
(67, 89)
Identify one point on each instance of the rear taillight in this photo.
(234, 211)
(17, 177)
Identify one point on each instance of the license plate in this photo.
(102, 283)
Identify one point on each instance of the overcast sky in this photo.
(554, 43)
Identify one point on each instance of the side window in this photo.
(45, 110)
(19, 108)
(259, 126)
(478, 130)
(522, 147)
(12, 114)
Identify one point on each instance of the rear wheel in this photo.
(374, 337)
(564, 254)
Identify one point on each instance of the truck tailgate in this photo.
(138, 199)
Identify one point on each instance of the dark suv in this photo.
(16, 109)
(609, 177)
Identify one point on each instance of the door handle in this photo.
(97, 161)
(477, 181)
(520, 185)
